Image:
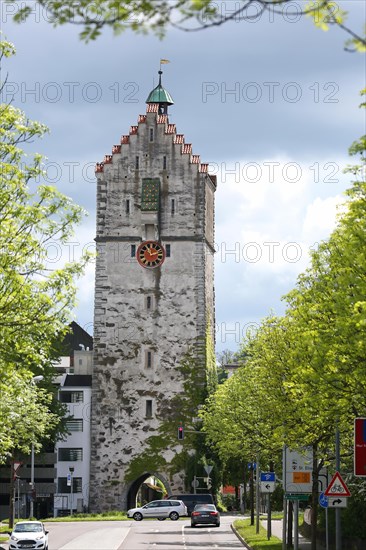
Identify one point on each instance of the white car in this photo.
(28, 534)
(160, 509)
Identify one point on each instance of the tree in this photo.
(188, 15)
(305, 374)
(35, 300)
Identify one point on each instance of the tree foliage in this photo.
(35, 300)
(187, 15)
(305, 373)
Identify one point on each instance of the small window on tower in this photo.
(148, 302)
(133, 250)
(173, 207)
(137, 163)
(164, 162)
(149, 359)
(151, 134)
(127, 206)
(167, 250)
(148, 412)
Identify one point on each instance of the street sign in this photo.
(267, 482)
(298, 468)
(267, 486)
(268, 476)
(208, 469)
(337, 502)
(360, 447)
(323, 500)
(195, 483)
(296, 496)
(16, 467)
(337, 487)
(69, 480)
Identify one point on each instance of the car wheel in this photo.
(193, 525)
(161, 519)
(217, 524)
(137, 516)
(174, 516)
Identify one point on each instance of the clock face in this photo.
(150, 254)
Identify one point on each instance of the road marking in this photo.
(184, 538)
(108, 539)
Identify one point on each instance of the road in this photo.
(144, 535)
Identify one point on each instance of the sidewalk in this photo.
(276, 524)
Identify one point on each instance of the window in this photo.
(127, 206)
(72, 397)
(172, 205)
(63, 487)
(137, 163)
(167, 250)
(74, 425)
(133, 250)
(80, 361)
(68, 454)
(148, 408)
(148, 302)
(151, 134)
(164, 162)
(149, 359)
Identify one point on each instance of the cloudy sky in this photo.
(271, 105)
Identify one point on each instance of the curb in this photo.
(240, 537)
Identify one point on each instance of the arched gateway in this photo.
(154, 308)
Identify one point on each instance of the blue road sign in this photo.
(268, 476)
(323, 500)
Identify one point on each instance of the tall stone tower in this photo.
(154, 307)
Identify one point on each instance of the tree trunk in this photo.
(251, 489)
(11, 494)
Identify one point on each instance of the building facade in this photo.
(154, 307)
(73, 451)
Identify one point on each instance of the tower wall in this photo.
(147, 321)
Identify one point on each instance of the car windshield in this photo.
(28, 527)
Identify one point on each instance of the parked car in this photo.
(28, 534)
(190, 500)
(205, 514)
(160, 509)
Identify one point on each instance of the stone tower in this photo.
(154, 307)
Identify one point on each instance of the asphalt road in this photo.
(144, 535)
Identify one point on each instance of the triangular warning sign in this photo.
(337, 487)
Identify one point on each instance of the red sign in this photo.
(337, 487)
(360, 447)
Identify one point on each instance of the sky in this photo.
(271, 105)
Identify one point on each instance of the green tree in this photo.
(35, 300)
(188, 15)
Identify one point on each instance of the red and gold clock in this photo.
(150, 254)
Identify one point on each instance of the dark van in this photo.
(191, 500)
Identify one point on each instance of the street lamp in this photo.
(35, 380)
(71, 470)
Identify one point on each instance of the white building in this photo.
(73, 453)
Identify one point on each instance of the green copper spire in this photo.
(161, 96)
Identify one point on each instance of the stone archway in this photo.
(129, 495)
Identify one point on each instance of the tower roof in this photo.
(160, 95)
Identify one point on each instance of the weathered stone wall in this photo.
(126, 329)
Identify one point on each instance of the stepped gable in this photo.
(170, 129)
